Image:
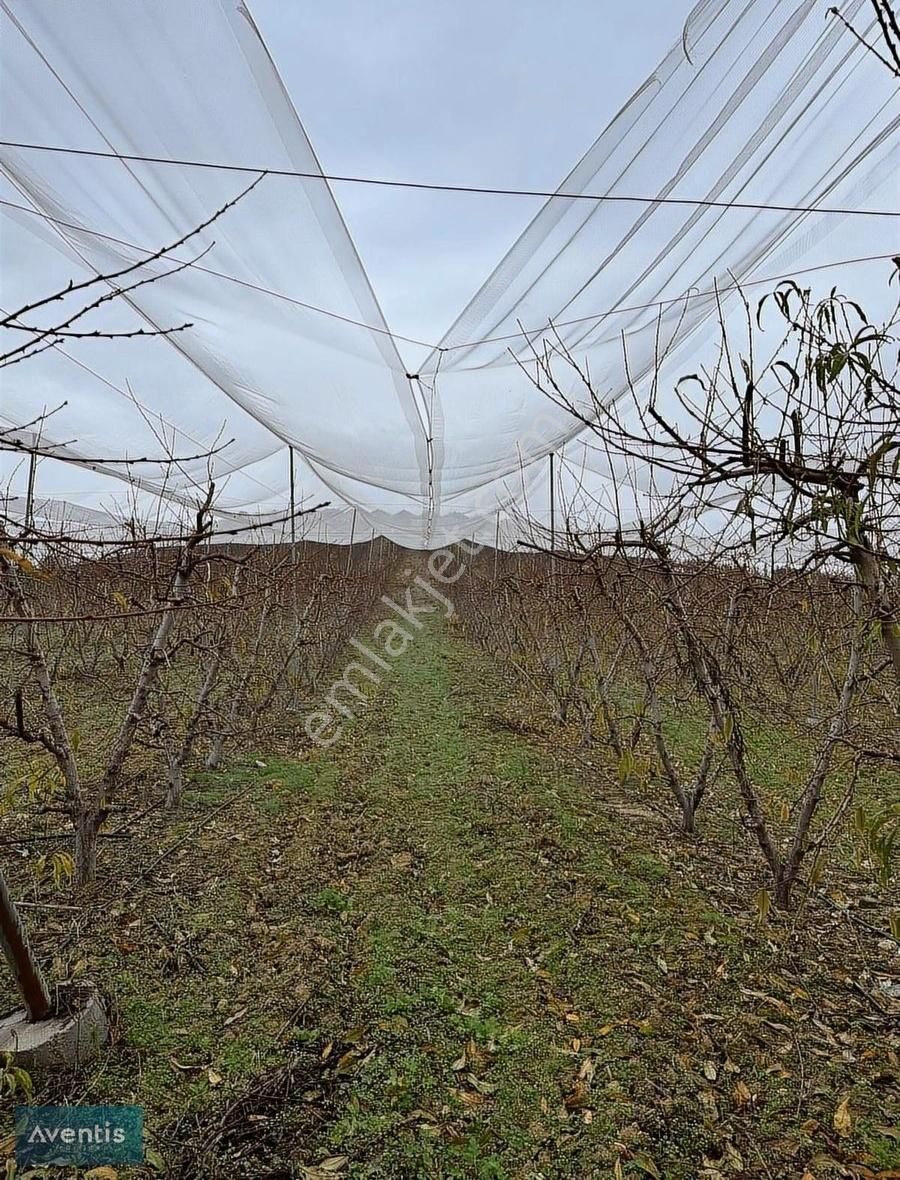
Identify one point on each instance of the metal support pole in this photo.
(350, 546)
(552, 506)
(496, 546)
(21, 958)
(293, 508)
(29, 499)
(294, 602)
(552, 520)
(371, 553)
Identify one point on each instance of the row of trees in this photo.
(757, 580)
(122, 671)
(131, 652)
(753, 576)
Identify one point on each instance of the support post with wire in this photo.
(350, 546)
(293, 509)
(294, 603)
(552, 518)
(29, 496)
(293, 537)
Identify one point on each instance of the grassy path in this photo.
(428, 953)
(520, 988)
(489, 938)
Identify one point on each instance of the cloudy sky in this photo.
(505, 94)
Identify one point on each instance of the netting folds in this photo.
(760, 101)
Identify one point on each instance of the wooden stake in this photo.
(21, 958)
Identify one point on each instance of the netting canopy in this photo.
(288, 362)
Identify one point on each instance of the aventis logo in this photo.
(79, 1135)
(97, 1134)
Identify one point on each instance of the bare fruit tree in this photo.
(778, 457)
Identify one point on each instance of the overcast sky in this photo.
(505, 94)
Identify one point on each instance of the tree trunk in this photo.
(216, 749)
(688, 814)
(869, 570)
(154, 657)
(784, 888)
(812, 794)
(710, 684)
(87, 825)
(175, 784)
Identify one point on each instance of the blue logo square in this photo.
(79, 1135)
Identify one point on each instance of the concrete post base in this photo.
(71, 1038)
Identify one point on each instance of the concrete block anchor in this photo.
(72, 1035)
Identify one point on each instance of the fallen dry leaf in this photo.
(469, 1098)
(843, 1122)
(648, 1166)
(741, 1094)
(186, 1068)
(578, 1096)
(327, 1168)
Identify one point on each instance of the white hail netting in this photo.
(766, 101)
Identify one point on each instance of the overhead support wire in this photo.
(445, 348)
(429, 186)
(524, 332)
